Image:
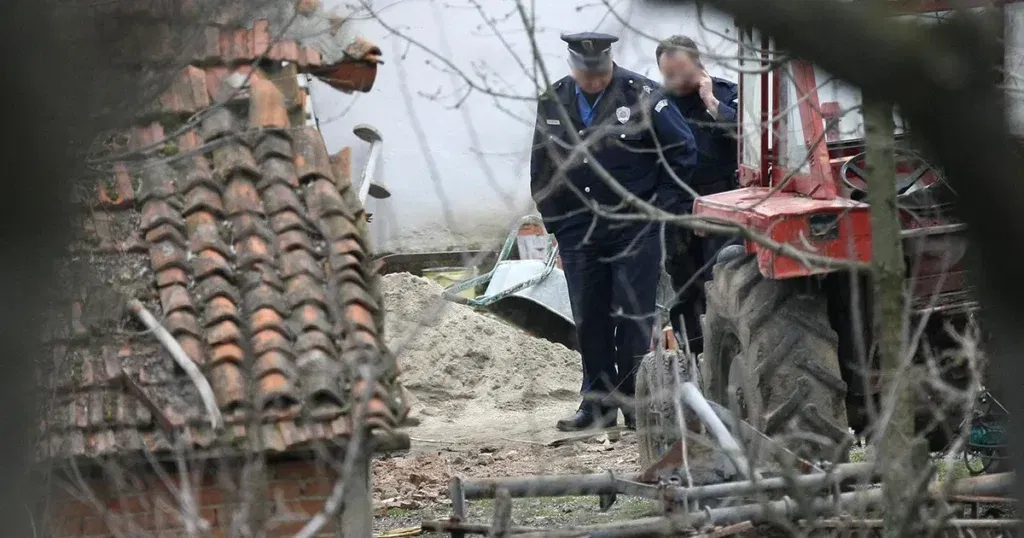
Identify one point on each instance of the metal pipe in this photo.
(759, 512)
(445, 526)
(984, 485)
(543, 486)
(839, 473)
(695, 400)
(369, 134)
(951, 523)
(608, 483)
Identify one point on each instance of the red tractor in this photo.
(788, 343)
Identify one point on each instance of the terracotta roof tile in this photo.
(158, 212)
(267, 107)
(119, 195)
(258, 268)
(187, 93)
(173, 298)
(275, 387)
(276, 144)
(225, 332)
(241, 197)
(183, 323)
(217, 124)
(341, 167)
(232, 159)
(260, 37)
(266, 318)
(144, 136)
(193, 348)
(203, 198)
(311, 159)
(228, 384)
(227, 352)
(171, 276)
(167, 254)
(210, 262)
(279, 197)
(300, 262)
(220, 309)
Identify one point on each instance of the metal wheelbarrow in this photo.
(529, 293)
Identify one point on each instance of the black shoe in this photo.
(587, 417)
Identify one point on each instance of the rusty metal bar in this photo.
(608, 483)
(980, 499)
(756, 512)
(839, 473)
(543, 486)
(445, 526)
(951, 524)
(759, 512)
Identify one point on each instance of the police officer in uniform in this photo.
(709, 106)
(611, 265)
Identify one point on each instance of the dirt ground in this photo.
(487, 396)
(412, 487)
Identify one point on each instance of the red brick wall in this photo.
(140, 504)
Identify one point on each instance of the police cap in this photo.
(590, 51)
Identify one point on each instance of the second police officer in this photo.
(612, 266)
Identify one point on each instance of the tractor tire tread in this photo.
(789, 351)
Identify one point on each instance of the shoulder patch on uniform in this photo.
(661, 104)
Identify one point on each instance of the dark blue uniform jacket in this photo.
(631, 121)
(715, 138)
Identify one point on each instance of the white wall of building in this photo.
(458, 165)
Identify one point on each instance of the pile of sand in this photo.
(455, 359)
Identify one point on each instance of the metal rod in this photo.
(839, 473)
(372, 136)
(444, 526)
(759, 512)
(695, 400)
(607, 483)
(543, 486)
(952, 523)
(932, 230)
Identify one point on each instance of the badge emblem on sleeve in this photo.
(622, 114)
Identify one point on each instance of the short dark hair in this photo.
(680, 43)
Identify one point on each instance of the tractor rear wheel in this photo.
(771, 354)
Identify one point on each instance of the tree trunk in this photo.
(897, 434)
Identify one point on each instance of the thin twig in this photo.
(183, 360)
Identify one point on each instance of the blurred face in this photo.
(591, 81)
(681, 74)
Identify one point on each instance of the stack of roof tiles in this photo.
(243, 237)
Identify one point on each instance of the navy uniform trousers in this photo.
(617, 273)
